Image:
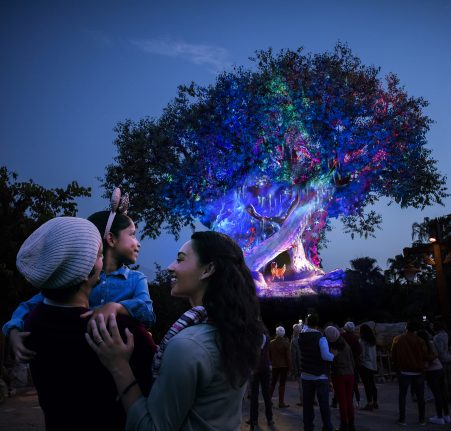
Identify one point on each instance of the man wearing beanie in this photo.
(342, 374)
(315, 370)
(279, 352)
(63, 258)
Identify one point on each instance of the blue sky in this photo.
(70, 70)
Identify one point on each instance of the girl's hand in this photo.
(108, 345)
(105, 310)
(16, 339)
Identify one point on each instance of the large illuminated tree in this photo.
(269, 154)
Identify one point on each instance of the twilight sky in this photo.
(70, 70)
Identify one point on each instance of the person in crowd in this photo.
(279, 352)
(120, 290)
(353, 342)
(205, 359)
(435, 378)
(409, 355)
(261, 376)
(315, 370)
(342, 373)
(441, 343)
(368, 366)
(296, 359)
(63, 258)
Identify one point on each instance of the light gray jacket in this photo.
(191, 392)
(441, 344)
(368, 359)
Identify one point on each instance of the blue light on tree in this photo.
(269, 155)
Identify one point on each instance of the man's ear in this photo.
(208, 271)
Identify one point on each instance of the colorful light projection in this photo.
(269, 155)
(320, 153)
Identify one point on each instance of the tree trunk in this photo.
(299, 261)
(291, 228)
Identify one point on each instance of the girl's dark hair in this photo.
(100, 219)
(367, 334)
(231, 303)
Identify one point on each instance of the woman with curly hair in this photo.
(368, 366)
(205, 359)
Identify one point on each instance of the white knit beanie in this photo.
(60, 253)
(349, 326)
(280, 331)
(332, 333)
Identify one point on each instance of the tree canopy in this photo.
(269, 154)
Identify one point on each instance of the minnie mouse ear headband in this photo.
(119, 204)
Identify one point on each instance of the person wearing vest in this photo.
(315, 369)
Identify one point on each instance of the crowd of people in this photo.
(96, 366)
(333, 359)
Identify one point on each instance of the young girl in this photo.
(74, 389)
(206, 357)
(120, 289)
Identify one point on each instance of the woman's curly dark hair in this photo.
(367, 334)
(231, 303)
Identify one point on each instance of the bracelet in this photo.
(119, 396)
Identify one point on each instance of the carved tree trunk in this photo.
(299, 261)
(291, 229)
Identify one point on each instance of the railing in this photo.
(384, 366)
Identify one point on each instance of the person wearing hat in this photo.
(279, 352)
(120, 289)
(342, 374)
(351, 338)
(63, 259)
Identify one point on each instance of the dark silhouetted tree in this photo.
(24, 206)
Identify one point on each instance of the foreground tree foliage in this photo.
(24, 206)
(271, 153)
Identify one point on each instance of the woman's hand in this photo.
(108, 345)
(16, 339)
